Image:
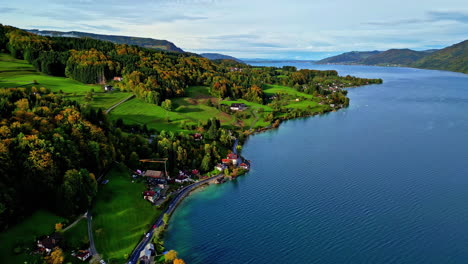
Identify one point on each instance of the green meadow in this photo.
(18, 241)
(14, 73)
(120, 215)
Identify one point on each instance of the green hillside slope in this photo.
(453, 58)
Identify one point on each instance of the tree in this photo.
(56, 257)
(205, 165)
(167, 105)
(166, 219)
(133, 160)
(58, 227)
(170, 256)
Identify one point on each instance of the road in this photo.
(92, 247)
(179, 196)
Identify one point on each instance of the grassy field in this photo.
(14, 73)
(120, 215)
(77, 236)
(189, 110)
(24, 235)
(278, 89)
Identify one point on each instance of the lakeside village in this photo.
(159, 185)
(159, 188)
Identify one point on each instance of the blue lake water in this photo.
(383, 181)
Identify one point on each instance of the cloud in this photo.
(431, 17)
(100, 27)
(452, 16)
(4, 10)
(234, 37)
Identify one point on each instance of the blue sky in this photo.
(296, 29)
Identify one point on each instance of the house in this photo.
(118, 79)
(49, 242)
(147, 253)
(195, 172)
(238, 107)
(226, 161)
(149, 193)
(220, 167)
(182, 179)
(83, 255)
(197, 137)
(332, 105)
(232, 156)
(108, 88)
(244, 166)
(154, 174)
(151, 196)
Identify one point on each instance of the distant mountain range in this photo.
(390, 57)
(349, 57)
(142, 42)
(217, 56)
(453, 58)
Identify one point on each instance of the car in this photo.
(154, 226)
(147, 234)
(102, 261)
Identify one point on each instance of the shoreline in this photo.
(209, 181)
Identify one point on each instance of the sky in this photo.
(294, 29)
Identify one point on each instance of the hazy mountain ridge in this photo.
(453, 58)
(142, 42)
(218, 56)
(348, 57)
(395, 57)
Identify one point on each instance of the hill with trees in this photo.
(217, 56)
(141, 42)
(453, 58)
(352, 57)
(394, 57)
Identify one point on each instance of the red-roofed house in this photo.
(83, 255)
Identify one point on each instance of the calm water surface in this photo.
(383, 181)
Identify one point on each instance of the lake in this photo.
(382, 181)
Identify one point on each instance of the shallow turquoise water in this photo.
(383, 181)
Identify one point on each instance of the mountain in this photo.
(348, 57)
(453, 58)
(217, 56)
(142, 42)
(395, 57)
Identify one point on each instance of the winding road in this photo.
(179, 196)
(92, 247)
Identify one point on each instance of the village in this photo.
(160, 186)
(160, 189)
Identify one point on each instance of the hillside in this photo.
(142, 42)
(348, 57)
(217, 56)
(453, 58)
(394, 57)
